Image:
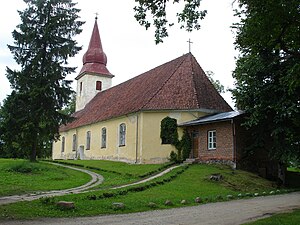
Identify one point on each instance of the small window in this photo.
(74, 144)
(63, 140)
(80, 88)
(122, 134)
(98, 85)
(103, 137)
(88, 140)
(212, 140)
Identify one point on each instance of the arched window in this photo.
(88, 140)
(103, 137)
(122, 134)
(98, 85)
(74, 144)
(63, 140)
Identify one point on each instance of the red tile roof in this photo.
(180, 84)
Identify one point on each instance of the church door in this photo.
(195, 144)
(80, 153)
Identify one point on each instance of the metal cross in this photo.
(189, 41)
(96, 15)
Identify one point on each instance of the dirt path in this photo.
(96, 179)
(222, 213)
(149, 178)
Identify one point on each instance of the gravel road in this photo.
(223, 213)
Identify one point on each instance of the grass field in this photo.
(188, 184)
(20, 177)
(117, 173)
(136, 170)
(291, 218)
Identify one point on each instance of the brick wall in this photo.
(224, 140)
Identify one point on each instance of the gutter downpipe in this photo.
(137, 138)
(234, 143)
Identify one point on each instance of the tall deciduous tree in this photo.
(43, 43)
(188, 18)
(217, 84)
(268, 73)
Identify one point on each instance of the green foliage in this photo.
(168, 131)
(186, 145)
(70, 107)
(21, 177)
(268, 74)
(217, 84)
(24, 167)
(169, 135)
(43, 43)
(289, 218)
(173, 157)
(188, 18)
(192, 183)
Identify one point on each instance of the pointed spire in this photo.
(95, 60)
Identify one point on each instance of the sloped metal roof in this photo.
(213, 118)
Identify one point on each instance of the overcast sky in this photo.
(131, 49)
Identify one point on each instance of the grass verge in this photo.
(21, 177)
(119, 168)
(180, 184)
(291, 218)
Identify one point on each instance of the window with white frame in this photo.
(88, 140)
(63, 140)
(103, 137)
(122, 134)
(212, 139)
(74, 144)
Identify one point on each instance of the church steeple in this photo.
(94, 76)
(95, 60)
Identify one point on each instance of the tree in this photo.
(268, 73)
(70, 107)
(188, 18)
(217, 84)
(43, 44)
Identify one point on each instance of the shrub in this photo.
(173, 157)
(25, 167)
(47, 200)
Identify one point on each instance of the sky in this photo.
(130, 48)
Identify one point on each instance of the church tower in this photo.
(94, 76)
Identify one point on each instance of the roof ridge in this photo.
(164, 82)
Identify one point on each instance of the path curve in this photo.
(96, 179)
(221, 213)
(149, 178)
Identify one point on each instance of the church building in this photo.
(123, 122)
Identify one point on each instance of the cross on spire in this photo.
(190, 42)
(96, 15)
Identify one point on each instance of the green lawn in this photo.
(193, 182)
(118, 167)
(292, 218)
(117, 173)
(36, 177)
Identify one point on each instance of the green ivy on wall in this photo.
(169, 135)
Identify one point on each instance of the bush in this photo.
(25, 167)
(173, 157)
